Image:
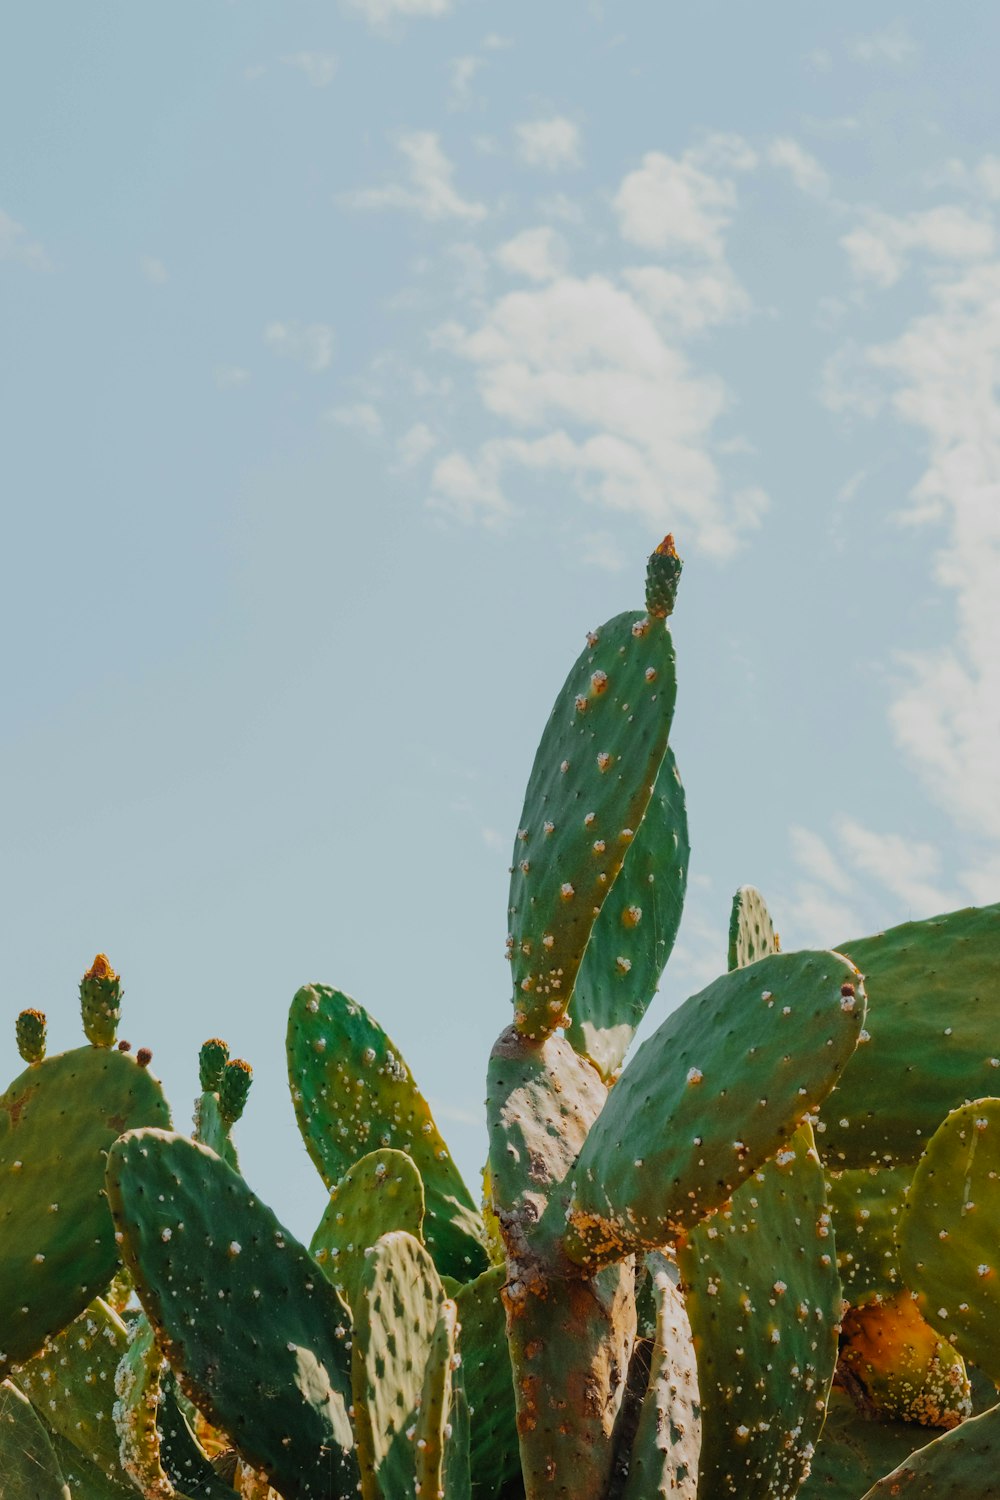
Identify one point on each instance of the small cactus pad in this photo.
(211, 1130)
(934, 988)
(101, 1002)
(865, 1206)
(71, 1381)
(381, 1192)
(395, 1317)
(212, 1058)
(489, 1383)
(58, 1119)
(588, 792)
(663, 574)
(854, 1451)
(441, 1438)
(29, 1468)
(137, 1386)
(634, 935)
(763, 1295)
(959, 1465)
(234, 1089)
(354, 1093)
(895, 1365)
(751, 931)
(31, 1035)
(664, 1459)
(184, 1462)
(949, 1233)
(709, 1097)
(241, 1309)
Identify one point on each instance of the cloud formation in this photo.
(430, 190)
(551, 143)
(309, 344)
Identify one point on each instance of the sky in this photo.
(354, 357)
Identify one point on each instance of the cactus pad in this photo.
(29, 1467)
(634, 935)
(212, 1058)
(208, 1259)
(949, 1233)
(101, 1002)
(854, 1451)
(441, 1438)
(489, 1383)
(58, 1119)
(664, 1459)
(234, 1089)
(31, 1035)
(353, 1093)
(380, 1193)
(864, 1206)
(934, 988)
(709, 1097)
(588, 791)
(896, 1366)
(751, 931)
(663, 574)
(959, 1465)
(763, 1295)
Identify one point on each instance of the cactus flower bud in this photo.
(31, 1035)
(101, 1002)
(234, 1086)
(663, 572)
(212, 1059)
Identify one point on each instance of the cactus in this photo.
(31, 1035)
(663, 1460)
(101, 1002)
(28, 1464)
(381, 1192)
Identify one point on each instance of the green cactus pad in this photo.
(136, 1412)
(589, 788)
(85, 1482)
(959, 1465)
(489, 1383)
(865, 1205)
(709, 1097)
(934, 989)
(949, 1233)
(763, 1295)
(634, 935)
(71, 1382)
(395, 1317)
(244, 1314)
(441, 1438)
(234, 1090)
(663, 574)
(212, 1058)
(31, 1035)
(183, 1460)
(853, 1451)
(381, 1192)
(211, 1130)
(664, 1459)
(101, 1002)
(751, 931)
(58, 1120)
(353, 1093)
(29, 1468)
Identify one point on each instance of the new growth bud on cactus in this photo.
(663, 574)
(31, 1035)
(101, 1002)
(234, 1088)
(212, 1059)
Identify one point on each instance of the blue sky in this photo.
(354, 358)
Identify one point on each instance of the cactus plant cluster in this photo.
(759, 1258)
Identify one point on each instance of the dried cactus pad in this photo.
(716, 1091)
(245, 1315)
(934, 994)
(58, 1120)
(353, 1094)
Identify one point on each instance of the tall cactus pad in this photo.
(763, 1296)
(396, 1315)
(709, 1097)
(212, 1058)
(31, 1035)
(243, 1312)
(441, 1438)
(71, 1381)
(935, 990)
(959, 1465)
(896, 1366)
(101, 1002)
(865, 1206)
(634, 935)
(949, 1235)
(855, 1451)
(234, 1090)
(489, 1383)
(29, 1469)
(589, 788)
(751, 931)
(664, 1458)
(58, 1120)
(380, 1193)
(353, 1093)
(663, 574)
(138, 1410)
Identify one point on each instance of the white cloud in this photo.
(414, 446)
(879, 249)
(228, 377)
(689, 300)
(467, 492)
(814, 855)
(358, 416)
(154, 270)
(430, 193)
(673, 203)
(311, 344)
(893, 45)
(906, 867)
(802, 167)
(540, 254)
(16, 245)
(552, 143)
(319, 68)
(380, 14)
(463, 71)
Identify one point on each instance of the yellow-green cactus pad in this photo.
(865, 1205)
(663, 1464)
(29, 1468)
(381, 1192)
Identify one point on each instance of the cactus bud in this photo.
(31, 1035)
(212, 1059)
(144, 1057)
(663, 573)
(124, 1046)
(101, 1002)
(234, 1086)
